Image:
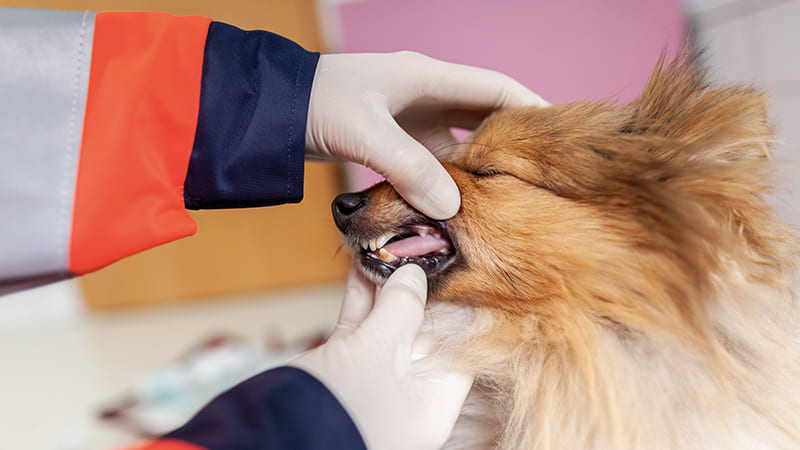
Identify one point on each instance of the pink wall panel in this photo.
(563, 49)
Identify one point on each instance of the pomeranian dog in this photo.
(614, 275)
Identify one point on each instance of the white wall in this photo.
(757, 41)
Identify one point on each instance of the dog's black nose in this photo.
(344, 207)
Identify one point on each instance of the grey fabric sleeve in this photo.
(44, 75)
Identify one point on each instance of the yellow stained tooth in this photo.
(387, 257)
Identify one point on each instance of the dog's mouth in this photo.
(425, 244)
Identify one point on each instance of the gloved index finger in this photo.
(468, 87)
(400, 308)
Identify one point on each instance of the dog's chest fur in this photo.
(649, 391)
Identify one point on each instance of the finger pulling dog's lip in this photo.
(427, 244)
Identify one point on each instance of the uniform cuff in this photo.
(249, 148)
(283, 408)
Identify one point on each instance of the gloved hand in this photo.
(379, 110)
(377, 366)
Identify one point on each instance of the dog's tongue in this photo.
(417, 245)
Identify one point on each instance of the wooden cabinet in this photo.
(233, 250)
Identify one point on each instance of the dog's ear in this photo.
(715, 139)
(719, 122)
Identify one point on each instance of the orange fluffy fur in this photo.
(620, 281)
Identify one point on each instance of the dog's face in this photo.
(624, 214)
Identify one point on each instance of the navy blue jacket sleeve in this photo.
(284, 408)
(250, 142)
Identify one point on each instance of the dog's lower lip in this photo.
(431, 264)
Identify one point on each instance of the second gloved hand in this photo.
(398, 396)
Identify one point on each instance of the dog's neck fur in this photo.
(629, 390)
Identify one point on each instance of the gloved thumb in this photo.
(400, 307)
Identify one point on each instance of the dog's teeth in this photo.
(387, 257)
(373, 245)
(436, 235)
(445, 251)
(381, 241)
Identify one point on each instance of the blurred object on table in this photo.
(166, 398)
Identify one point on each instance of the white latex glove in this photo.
(379, 109)
(374, 363)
